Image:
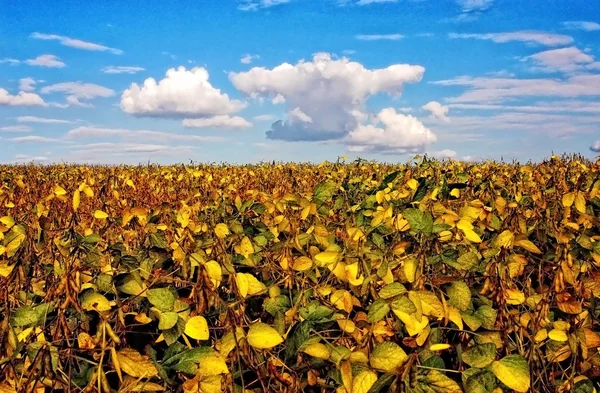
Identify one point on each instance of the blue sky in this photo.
(297, 80)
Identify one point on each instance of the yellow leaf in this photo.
(85, 341)
(410, 269)
(135, 364)
(214, 271)
(327, 258)
(58, 190)
(568, 199)
(249, 285)
(246, 247)
(541, 335)
(505, 239)
(302, 264)
(387, 357)
(412, 184)
(5, 268)
(363, 381)
(342, 300)
(346, 325)
(455, 193)
(529, 246)
(7, 221)
(472, 236)
(558, 335)
(445, 236)
(99, 214)
(87, 190)
(580, 202)
(317, 350)
(513, 371)
(76, 198)
(439, 347)
(263, 336)
(514, 296)
(221, 230)
(455, 317)
(197, 328)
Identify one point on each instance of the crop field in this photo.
(428, 277)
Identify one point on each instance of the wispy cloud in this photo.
(254, 5)
(248, 58)
(19, 128)
(582, 25)
(536, 37)
(378, 37)
(122, 70)
(568, 59)
(11, 61)
(33, 139)
(49, 61)
(42, 120)
(367, 2)
(474, 5)
(76, 91)
(98, 132)
(76, 43)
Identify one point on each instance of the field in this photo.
(430, 277)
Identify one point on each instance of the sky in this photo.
(297, 80)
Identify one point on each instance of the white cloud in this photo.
(405, 109)
(595, 147)
(437, 110)
(15, 129)
(42, 120)
(571, 106)
(279, 99)
(564, 59)
(248, 58)
(27, 84)
(125, 149)
(49, 61)
(21, 99)
(75, 43)
(254, 5)
(484, 90)
(297, 114)
(122, 70)
(99, 132)
(367, 2)
(20, 158)
(264, 118)
(537, 37)
(582, 25)
(474, 5)
(441, 154)
(32, 138)
(181, 93)
(76, 91)
(399, 134)
(219, 121)
(379, 37)
(10, 61)
(327, 90)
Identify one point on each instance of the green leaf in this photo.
(167, 320)
(488, 316)
(433, 381)
(419, 221)
(276, 305)
(161, 298)
(378, 310)
(404, 304)
(391, 290)
(513, 371)
(480, 356)
(92, 239)
(314, 311)
(460, 295)
(387, 356)
(158, 240)
(478, 381)
(24, 316)
(324, 191)
(465, 262)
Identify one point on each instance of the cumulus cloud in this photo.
(27, 84)
(564, 59)
(100, 132)
(484, 90)
(15, 129)
(437, 110)
(595, 147)
(8, 60)
(535, 37)
(20, 99)
(42, 120)
(122, 70)
(182, 93)
(248, 58)
(398, 133)
(76, 91)
(328, 91)
(441, 154)
(75, 43)
(582, 25)
(49, 61)
(254, 5)
(219, 121)
(379, 37)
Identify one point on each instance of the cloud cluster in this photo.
(437, 110)
(327, 91)
(182, 93)
(49, 61)
(75, 43)
(528, 36)
(27, 84)
(20, 99)
(392, 133)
